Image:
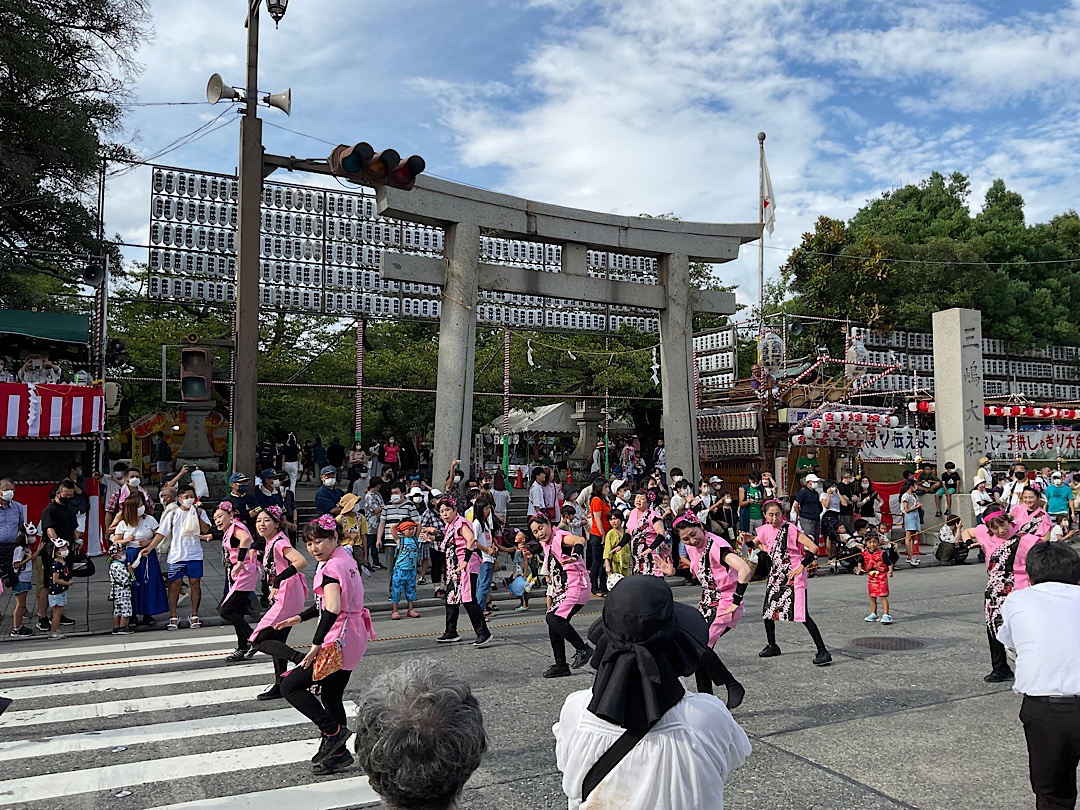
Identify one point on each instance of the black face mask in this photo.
(242, 490)
(64, 499)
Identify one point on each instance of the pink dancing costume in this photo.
(569, 580)
(718, 584)
(249, 576)
(458, 583)
(784, 601)
(293, 593)
(645, 552)
(352, 629)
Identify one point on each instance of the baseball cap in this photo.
(328, 470)
(617, 484)
(811, 478)
(716, 479)
(1056, 475)
(435, 493)
(237, 477)
(268, 473)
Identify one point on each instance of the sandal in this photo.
(174, 623)
(195, 622)
(412, 614)
(395, 615)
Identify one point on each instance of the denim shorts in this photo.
(23, 587)
(57, 599)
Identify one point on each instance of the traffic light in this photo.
(362, 164)
(196, 374)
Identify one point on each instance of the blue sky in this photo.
(634, 106)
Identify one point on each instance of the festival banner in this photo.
(900, 444)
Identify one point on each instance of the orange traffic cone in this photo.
(519, 483)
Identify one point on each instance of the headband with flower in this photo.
(326, 522)
(446, 500)
(687, 518)
(275, 513)
(226, 506)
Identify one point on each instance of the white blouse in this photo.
(681, 764)
(141, 533)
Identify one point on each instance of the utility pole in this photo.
(245, 413)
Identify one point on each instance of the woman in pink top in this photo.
(242, 573)
(288, 588)
(647, 537)
(1005, 541)
(344, 623)
(564, 554)
(723, 575)
(790, 552)
(391, 455)
(462, 570)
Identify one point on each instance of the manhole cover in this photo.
(888, 643)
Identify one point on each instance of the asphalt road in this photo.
(877, 729)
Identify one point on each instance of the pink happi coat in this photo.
(293, 593)
(352, 629)
(717, 582)
(249, 576)
(569, 580)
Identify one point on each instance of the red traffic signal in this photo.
(362, 164)
(196, 374)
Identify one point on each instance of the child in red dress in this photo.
(878, 572)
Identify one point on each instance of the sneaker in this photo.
(886, 619)
(937, 514)
(250, 653)
(338, 762)
(273, 693)
(331, 744)
(115, 632)
(448, 638)
(520, 609)
(735, 695)
(127, 630)
(43, 624)
(873, 617)
(66, 622)
(581, 657)
(365, 571)
(482, 641)
(421, 581)
(993, 677)
(557, 671)
(822, 659)
(22, 631)
(770, 651)
(56, 635)
(236, 657)
(915, 562)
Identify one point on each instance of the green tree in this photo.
(63, 68)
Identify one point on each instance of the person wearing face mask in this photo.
(808, 508)
(137, 530)
(12, 519)
(58, 522)
(59, 581)
(390, 456)
(329, 495)
(418, 498)
(398, 509)
(243, 502)
(357, 463)
(183, 529)
(79, 502)
(455, 485)
(868, 502)
(167, 497)
(267, 493)
(385, 480)
(725, 513)
(133, 484)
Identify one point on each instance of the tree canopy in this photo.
(919, 249)
(63, 68)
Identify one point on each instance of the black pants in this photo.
(597, 574)
(476, 614)
(712, 670)
(438, 565)
(272, 638)
(811, 628)
(1053, 740)
(998, 659)
(560, 631)
(328, 715)
(233, 611)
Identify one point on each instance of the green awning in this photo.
(58, 327)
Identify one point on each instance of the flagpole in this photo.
(761, 241)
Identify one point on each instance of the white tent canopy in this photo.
(556, 418)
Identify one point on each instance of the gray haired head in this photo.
(420, 735)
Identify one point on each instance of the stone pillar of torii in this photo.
(464, 211)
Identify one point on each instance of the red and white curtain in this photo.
(44, 410)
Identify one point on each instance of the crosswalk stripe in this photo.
(117, 665)
(161, 732)
(87, 711)
(159, 643)
(330, 795)
(127, 775)
(89, 686)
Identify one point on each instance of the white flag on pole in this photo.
(768, 199)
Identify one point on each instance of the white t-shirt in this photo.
(26, 573)
(536, 499)
(501, 497)
(483, 535)
(143, 531)
(1057, 532)
(183, 546)
(681, 764)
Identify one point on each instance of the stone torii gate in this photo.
(463, 211)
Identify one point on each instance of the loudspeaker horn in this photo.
(192, 337)
(795, 328)
(216, 90)
(283, 101)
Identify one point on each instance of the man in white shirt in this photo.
(186, 526)
(1042, 624)
(1013, 488)
(980, 498)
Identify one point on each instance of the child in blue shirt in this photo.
(404, 574)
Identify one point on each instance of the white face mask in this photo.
(418, 500)
(397, 498)
(7, 494)
(866, 485)
(187, 503)
(457, 479)
(330, 481)
(141, 510)
(727, 501)
(134, 482)
(63, 553)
